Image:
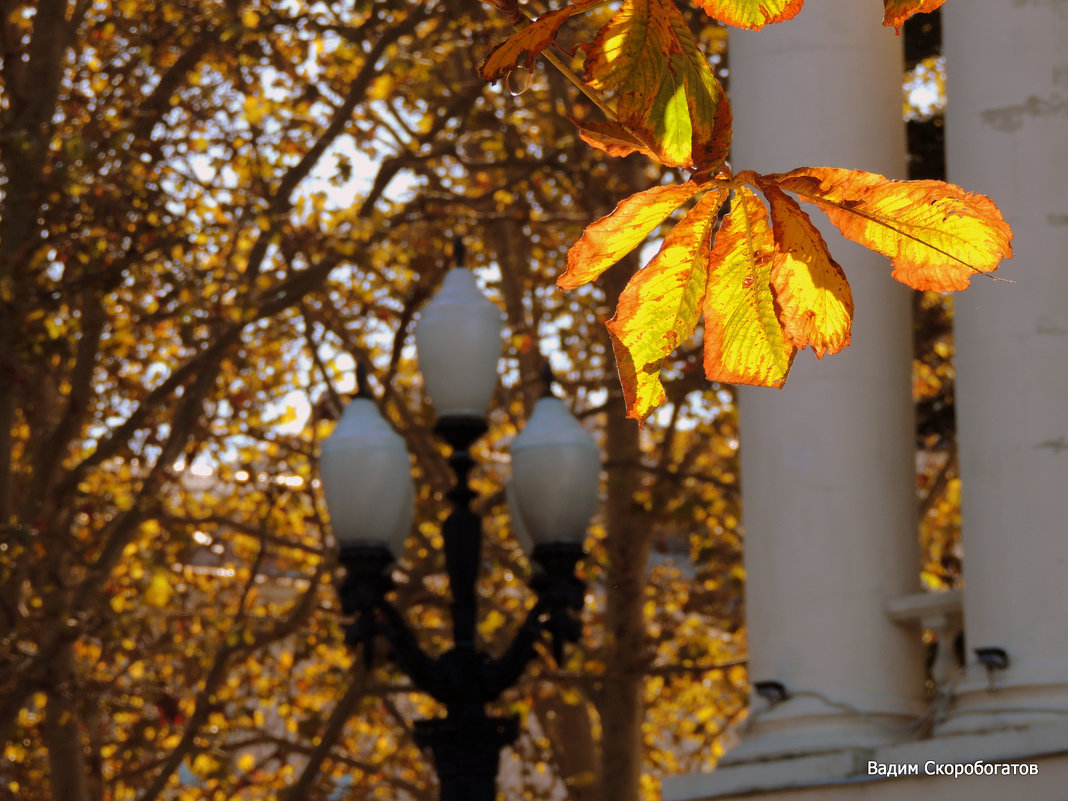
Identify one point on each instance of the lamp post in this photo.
(366, 477)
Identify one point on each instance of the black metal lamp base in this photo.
(367, 576)
(460, 431)
(364, 587)
(466, 752)
(560, 590)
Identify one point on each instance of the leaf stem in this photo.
(566, 71)
(571, 76)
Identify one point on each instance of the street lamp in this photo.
(366, 478)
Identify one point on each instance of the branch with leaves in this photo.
(744, 255)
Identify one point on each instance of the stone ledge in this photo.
(844, 774)
(754, 777)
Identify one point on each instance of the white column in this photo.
(828, 464)
(1007, 136)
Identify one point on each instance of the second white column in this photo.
(828, 465)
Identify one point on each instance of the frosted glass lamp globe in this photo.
(458, 343)
(556, 468)
(367, 479)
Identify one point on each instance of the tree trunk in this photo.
(570, 730)
(61, 733)
(628, 542)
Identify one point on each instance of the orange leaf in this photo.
(614, 139)
(660, 306)
(715, 150)
(529, 41)
(608, 240)
(751, 14)
(159, 591)
(895, 12)
(813, 296)
(936, 234)
(665, 92)
(744, 342)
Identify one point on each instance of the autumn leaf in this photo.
(895, 12)
(814, 300)
(527, 44)
(660, 306)
(664, 90)
(744, 342)
(159, 591)
(614, 139)
(718, 146)
(767, 287)
(610, 238)
(619, 141)
(751, 14)
(937, 235)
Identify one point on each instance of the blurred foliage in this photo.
(938, 480)
(209, 211)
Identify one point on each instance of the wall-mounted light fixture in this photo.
(992, 657)
(774, 692)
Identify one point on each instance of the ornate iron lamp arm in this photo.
(561, 591)
(363, 591)
(424, 671)
(503, 672)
